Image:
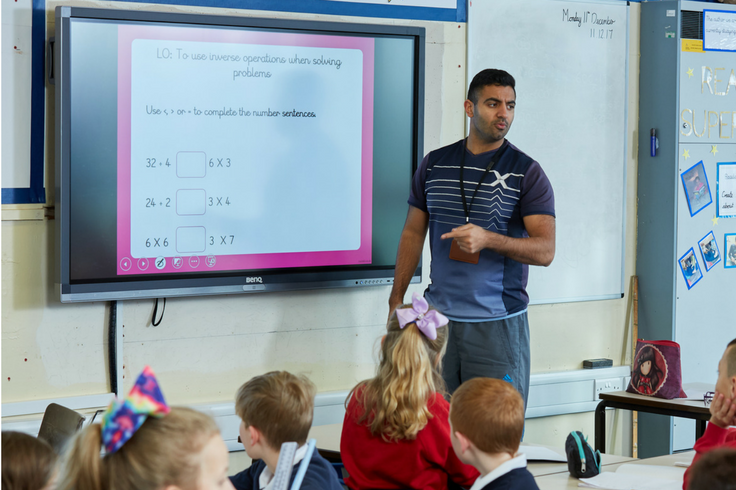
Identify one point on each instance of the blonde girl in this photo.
(28, 463)
(396, 432)
(148, 446)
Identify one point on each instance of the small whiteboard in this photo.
(569, 60)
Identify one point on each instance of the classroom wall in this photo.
(206, 347)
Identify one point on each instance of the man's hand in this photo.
(470, 238)
(393, 303)
(722, 411)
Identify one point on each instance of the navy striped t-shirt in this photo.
(495, 287)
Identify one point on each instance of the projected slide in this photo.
(242, 150)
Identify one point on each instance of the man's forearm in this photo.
(407, 259)
(529, 250)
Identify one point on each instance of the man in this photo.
(483, 234)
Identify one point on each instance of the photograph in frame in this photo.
(690, 268)
(697, 190)
(709, 250)
(729, 246)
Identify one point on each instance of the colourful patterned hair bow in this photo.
(427, 321)
(123, 417)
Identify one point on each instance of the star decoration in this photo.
(686, 154)
(714, 219)
(714, 150)
(689, 72)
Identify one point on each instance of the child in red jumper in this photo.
(396, 433)
(722, 409)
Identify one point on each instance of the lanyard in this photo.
(496, 157)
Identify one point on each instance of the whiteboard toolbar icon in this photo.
(160, 262)
(211, 261)
(143, 264)
(126, 263)
(177, 262)
(193, 261)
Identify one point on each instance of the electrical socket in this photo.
(607, 385)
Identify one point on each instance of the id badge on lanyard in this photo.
(455, 252)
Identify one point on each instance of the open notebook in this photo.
(542, 453)
(637, 477)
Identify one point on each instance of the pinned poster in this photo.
(697, 189)
(726, 190)
(690, 268)
(709, 250)
(729, 242)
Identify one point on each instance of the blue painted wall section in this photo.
(393, 10)
(36, 192)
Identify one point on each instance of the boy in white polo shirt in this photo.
(486, 424)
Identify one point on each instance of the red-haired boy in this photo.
(486, 423)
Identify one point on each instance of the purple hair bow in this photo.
(427, 321)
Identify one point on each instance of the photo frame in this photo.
(709, 251)
(729, 247)
(726, 190)
(690, 268)
(696, 187)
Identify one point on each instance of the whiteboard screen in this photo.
(569, 62)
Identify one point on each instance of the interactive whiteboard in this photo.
(205, 169)
(204, 154)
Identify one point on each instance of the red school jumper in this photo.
(713, 438)
(424, 463)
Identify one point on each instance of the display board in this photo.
(569, 60)
(685, 198)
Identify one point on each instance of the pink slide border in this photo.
(126, 36)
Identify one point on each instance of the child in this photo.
(486, 423)
(716, 470)
(722, 410)
(275, 408)
(28, 463)
(396, 433)
(148, 446)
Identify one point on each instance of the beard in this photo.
(489, 132)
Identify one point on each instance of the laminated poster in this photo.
(690, 268)
(709, 250)
(697, 190)
(726, 190)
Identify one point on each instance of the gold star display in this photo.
(714, 150)
(689, 72)
(714, 219)
(686, 154)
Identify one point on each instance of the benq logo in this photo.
(250, 280)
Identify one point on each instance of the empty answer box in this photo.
(191, 164)
(191, 202)
(191, 239)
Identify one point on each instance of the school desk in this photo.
(563, 481)
(691, 409)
